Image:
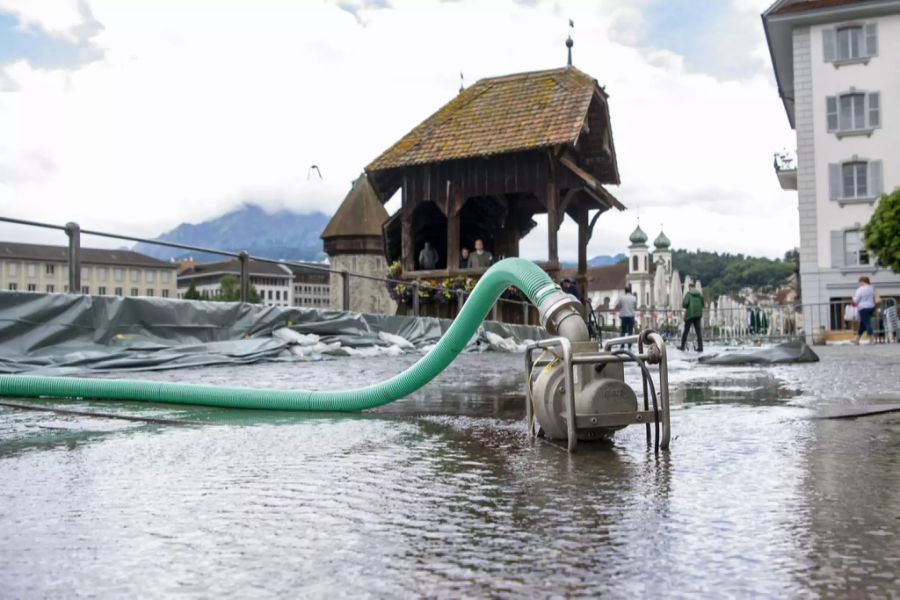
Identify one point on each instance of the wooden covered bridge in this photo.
(503, 150)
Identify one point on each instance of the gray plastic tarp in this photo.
(795, 351)
(70, 333)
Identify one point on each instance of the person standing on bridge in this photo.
(693, 313)
(428, 257)
(480, 259)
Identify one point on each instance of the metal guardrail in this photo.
(784, 321)
(74, 232)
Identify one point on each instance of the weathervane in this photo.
(461, 86)
(569, 42)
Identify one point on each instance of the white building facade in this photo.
(837, 65)
(277, 284)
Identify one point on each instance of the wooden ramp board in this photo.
(854, 411)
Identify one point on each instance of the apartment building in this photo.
(277, 284)
(836, 65)
(41, 268)
(312, 286)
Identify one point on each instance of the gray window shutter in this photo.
(876, 186)
(831, 110)
(871, 39)
(873, 101)
(829, 41)
(837, 249)
(834, 181)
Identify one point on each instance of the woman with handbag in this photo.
(864, 301)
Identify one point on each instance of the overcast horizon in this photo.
(137, 116)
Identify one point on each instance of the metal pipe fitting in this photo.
(560, 315)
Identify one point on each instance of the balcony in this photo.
(786, 170)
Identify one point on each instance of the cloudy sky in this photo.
(137, 115)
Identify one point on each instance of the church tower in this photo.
(662, 254)
(639, 266)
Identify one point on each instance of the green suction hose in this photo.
(517, 272)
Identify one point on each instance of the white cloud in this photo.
(200, 105)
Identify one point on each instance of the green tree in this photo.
(192, 293)
(230, 290)
(882, 232)
(729, 273)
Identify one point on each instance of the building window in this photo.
(49, 269)
(135, 276)
(13, 287)
(135, 291)
(855, 180)
(634, 263)
(85, 289)
(150, 291)
(85, 272)
(165, 293)
(31, 270)
(854, 251)
(118, 275)
(101, 273)
(119, 292)
(32, 287)
(278, 294)
(855, 111)
(50, 288)
(101, 290)
(848, 249)
(850, 43)
(164, 277)
(148, 275)
(12, 269)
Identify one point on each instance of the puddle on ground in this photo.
(442, 494)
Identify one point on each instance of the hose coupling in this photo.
(558, 308)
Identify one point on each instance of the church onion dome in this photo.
(638, 236)
(661, 242)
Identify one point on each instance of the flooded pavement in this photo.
(442, 494)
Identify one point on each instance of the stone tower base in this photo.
(366, 295)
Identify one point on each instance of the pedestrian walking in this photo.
(626, 306)
(865, 301)
(693, 313)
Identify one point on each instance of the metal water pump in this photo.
(576, 388)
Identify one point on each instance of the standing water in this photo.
(442, 494)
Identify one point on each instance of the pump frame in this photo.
(562, 349)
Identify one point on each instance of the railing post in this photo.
(460, 300)
(245, 276)
(494, 310)
(415, 299)
(525, 306)
(345, 289)
(74, 257)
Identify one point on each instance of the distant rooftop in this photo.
(257, 268)
(91, 256)
(795, 6)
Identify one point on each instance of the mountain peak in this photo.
(279, 235)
